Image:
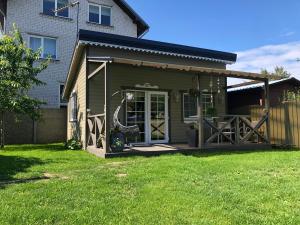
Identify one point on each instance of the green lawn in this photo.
(48, 185)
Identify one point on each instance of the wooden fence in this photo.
(52, 128)
(284, 122)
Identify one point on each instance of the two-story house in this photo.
(55, 32)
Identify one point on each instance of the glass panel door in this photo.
(135, 114)
(158, 119)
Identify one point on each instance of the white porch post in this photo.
(200, 114)
(107, 107)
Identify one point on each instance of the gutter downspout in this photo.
(4, 21)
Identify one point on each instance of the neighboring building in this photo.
(245, 95)
(56, 33)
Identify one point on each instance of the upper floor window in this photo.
(48, 46)
(49, 6)
(100, 14)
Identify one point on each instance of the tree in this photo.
(19, 67)
(278, 71)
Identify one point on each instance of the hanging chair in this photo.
(128, 131)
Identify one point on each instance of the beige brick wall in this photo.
(27, 15)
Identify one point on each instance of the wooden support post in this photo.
(107, 107)
(34, 132)
(200, 115)
(267, 108)
(237, 130)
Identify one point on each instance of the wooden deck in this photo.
(160, 149)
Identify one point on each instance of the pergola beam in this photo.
(195, 69)
(97, 70)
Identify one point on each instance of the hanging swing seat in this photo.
(128, 131)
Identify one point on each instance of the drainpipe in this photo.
(4, 20)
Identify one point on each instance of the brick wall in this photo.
(27, 15)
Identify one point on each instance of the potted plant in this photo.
(194, 92)
(211, 112)
(117, 140)
(192, 136)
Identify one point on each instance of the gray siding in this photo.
(174, 81)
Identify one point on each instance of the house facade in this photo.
(116, 81)
(56, 33)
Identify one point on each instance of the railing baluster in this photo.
(95, 124)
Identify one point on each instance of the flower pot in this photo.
(117, 142)
(192, 137)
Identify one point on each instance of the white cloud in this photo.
(288, 34)
(268, 57)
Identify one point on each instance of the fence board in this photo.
(284, 122)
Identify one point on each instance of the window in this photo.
(190, 105)
(100, 14)
(49, 6)
(207, 103)
(62, 102)
(73, 108)
(48, 46)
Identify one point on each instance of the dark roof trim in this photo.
(142, 26)
(259, 85)
(118, 40)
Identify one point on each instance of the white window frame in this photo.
(60, 95)
(192, 118)
(42, 45)
(100, 15)
(56, 13)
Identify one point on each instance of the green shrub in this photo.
(73, 144)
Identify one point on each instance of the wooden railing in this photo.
(237, 129)
(96, 132)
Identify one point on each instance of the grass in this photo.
(44, 184)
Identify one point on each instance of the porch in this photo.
(235, 132)
(162, 149)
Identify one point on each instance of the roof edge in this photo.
(142, 26)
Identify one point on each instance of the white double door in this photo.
(148, 110)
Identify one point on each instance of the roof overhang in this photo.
(101, 39)
(256, 85)
(192, 69)
(150, 51)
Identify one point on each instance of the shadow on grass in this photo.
(199, 153)
(42, 147)
(218, 152)
(12, 165)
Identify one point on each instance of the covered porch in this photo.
(220, 131)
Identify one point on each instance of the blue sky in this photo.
(264, 33)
